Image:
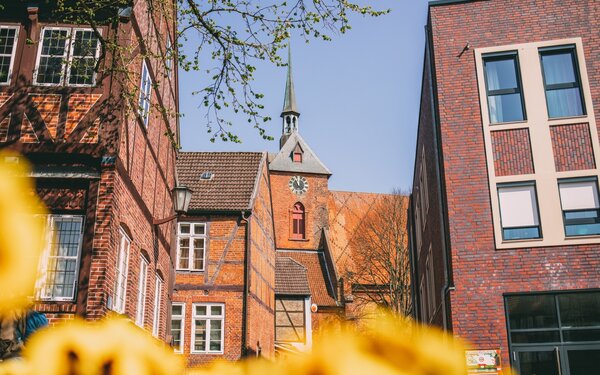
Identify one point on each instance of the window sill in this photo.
(492, 124)
(299, 239)
(522, 241)
(584, 236)
(189, 271)
(553, 119)
(209, 353)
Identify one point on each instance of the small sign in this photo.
(483, 362)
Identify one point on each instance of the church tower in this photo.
(299, 181)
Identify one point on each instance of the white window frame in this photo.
(192, 252)
(12, 55)
(157, 303)
(50, 219)
(208, 319)
(145, 97)
(181, 318)
(168, 56)
(68, 58)
(120, 297)
(141, 297)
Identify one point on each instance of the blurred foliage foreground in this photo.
(115, 346)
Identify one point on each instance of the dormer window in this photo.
(297, 154)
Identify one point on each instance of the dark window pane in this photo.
(505, 108)
(535, 337)
(579, 309)
(558, 68)
(538, 363)
(527, 312)
(564, 102)
(501, 74)
(583, 362)
(581, 335)
(520, 233)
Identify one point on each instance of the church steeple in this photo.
(290, 113)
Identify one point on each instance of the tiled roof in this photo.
(310, 162)
(318, 275)
(232, 184)
(290, 277)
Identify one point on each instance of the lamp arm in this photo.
(165, 220)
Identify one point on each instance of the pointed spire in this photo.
(289, 102)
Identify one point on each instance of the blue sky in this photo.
(358, 96)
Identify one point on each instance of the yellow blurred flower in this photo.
(21, 234)
(113, 346)
(385, 345)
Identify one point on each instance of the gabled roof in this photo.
(310, 162)
(290, 277)
(318, 274)
(233, 182)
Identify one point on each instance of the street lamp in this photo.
(182, 195)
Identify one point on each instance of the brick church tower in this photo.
(306, 280)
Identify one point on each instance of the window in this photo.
(430, 285)
(8, 45)
(157, 300)
(60, 264)
(207, 328)
(422, 291)
(519, 211)
(141, 300)
(553, 318)
(145, 94)
(561, 81)
(67, 52)
(191, 246)
(297, 154)
(418, 223)
(169, 57)
(121, 280)
(177, 319)
(298, 222)
(290, 318)
(580, 205)
(423, 186)
(503, 85)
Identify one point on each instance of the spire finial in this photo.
(289, 102)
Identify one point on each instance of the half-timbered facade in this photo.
(101, 161)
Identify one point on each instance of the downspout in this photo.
(244, 351)
(446, 254)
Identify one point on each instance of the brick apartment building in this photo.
(504, 208)
(105, 171)
(262, 250)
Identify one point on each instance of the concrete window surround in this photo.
(539, 125)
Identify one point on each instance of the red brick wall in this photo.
(222, 282)
(482, 273)
(572, 147)
(315, 204)
(512, 152)
(431, 226)
(261, 301)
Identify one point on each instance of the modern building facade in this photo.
(505, 226)
(102, 165)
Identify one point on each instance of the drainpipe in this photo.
(244, 351)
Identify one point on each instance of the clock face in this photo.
(298, 185)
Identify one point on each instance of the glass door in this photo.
(538, 361)
(581, 359)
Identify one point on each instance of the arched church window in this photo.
(298, 222)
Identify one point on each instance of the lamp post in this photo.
(182, 195)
